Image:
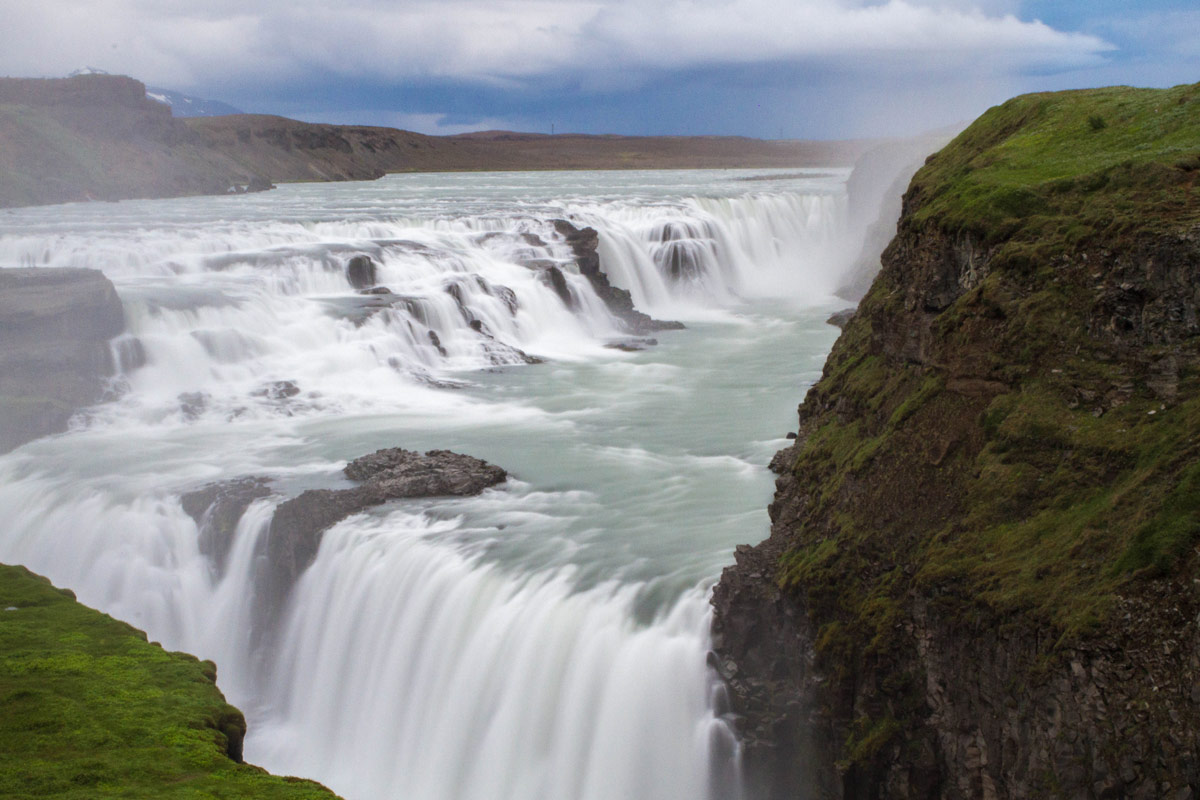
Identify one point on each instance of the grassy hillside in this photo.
(97, 137)
(980, 579)
(1050, 414)
(89, 708)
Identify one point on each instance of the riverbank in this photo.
(88, 707)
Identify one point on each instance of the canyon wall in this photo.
(981, 578)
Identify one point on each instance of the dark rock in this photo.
(841, 318)
(259, 184)
(360, 271)
(404, 473)
(584, 243)
(279, 390)
(217, 508)
(391, 474)
(980, 700)
(193, 404)
(131, 354)
(376, 290)
(631, 345)
(54, 354)
(783, 460)
(558, 282)
(437, 343)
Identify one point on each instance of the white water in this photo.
(546, 639)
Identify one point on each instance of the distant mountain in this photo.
(105, 137)
(183, 105)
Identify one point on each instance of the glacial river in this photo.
(545, 640)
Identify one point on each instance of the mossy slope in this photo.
(994, 501)
(1050, 402)
(89, 708)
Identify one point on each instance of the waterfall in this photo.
(524, 644)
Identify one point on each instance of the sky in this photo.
(818, 69)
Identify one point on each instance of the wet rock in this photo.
(631, 345)
(405, 473)
(584, 243)
(54, 355)
(839, 319)
(391, 474)
(437, 343)
(376, 290)
(192, 405)
(217, 508)
(259, 184)
(558, 282)
(279, 390)
(360, 272)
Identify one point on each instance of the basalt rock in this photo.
(217, 508)
(361, 273)
(584, 243)
(391, 474)
(54, 354)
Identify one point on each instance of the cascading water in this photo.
(546, 639)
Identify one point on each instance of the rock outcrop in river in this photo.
(298, 523)
(982, 574)
(54, 354)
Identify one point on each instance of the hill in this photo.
(981, 574)
(98, 137)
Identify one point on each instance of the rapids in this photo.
(545, 640)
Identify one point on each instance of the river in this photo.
(545, 640)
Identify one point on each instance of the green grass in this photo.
(1069, 165)
(1040, 499)
(89, 708)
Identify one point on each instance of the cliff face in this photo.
(89, 708)
(981, 574)
(55, 327)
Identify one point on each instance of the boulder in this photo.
(391, 474)
(217, 508)
(360, 271)
(259, 184)
(54, 353)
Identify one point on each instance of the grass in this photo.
(1069, 165)
(1066, 480)
(89, 708)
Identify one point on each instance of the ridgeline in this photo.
(89, 708)
(981, 574)
(98, 137)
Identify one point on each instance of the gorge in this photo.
(546, 637)
(979, 574)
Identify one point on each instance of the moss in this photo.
(1086, 161)
(1064, 482)
(867, 737)
(89, 708)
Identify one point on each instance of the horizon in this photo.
(808, 70)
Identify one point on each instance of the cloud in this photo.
(516, 43)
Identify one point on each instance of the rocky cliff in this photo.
(982, 578)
